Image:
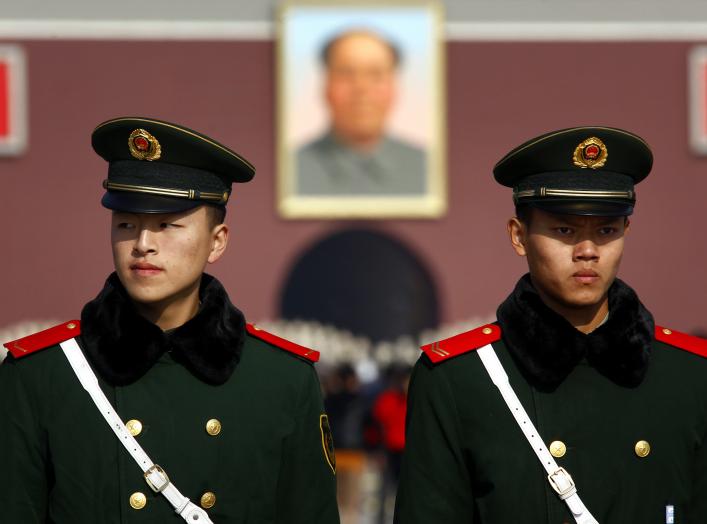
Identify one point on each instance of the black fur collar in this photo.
(547, 347)
(123, 346)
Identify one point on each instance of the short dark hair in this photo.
(325, 54)
(523, 213)
(216, 215)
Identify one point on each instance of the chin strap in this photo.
(560, 480)
(155, 476)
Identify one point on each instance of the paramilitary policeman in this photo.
(162, 403)
(573, 406)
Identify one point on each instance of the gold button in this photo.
(487, 331)
(208, 500)
(138, 500)
(667, 331)
(558, 448)
(134, 427)
(71, 325)
(213, 427)
(642, 448)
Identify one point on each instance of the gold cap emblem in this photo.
(591, 153)
(143, 145)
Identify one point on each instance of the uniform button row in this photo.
(558, 448)
(138, 500)
(213, 427)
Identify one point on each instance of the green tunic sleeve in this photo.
(306, 491)
(434, 484)
(23, 472)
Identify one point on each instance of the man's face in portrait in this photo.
(573, 260)
(159, 258)
(360, 87)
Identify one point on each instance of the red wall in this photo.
(55, 250)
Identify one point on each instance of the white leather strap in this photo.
(155, 476)
(560, 481)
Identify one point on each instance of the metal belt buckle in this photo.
(562, 483)
(160, 479)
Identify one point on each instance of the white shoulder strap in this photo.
(155, 476)
(559, 479)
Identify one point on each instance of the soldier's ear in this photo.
(517, 233)
(219, 237)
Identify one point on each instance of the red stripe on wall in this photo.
(4, 101)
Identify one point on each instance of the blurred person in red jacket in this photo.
(389, 416)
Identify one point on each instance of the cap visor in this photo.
(585, 208)
(143, 203)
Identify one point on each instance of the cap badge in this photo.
(144, 146)
(591, 153)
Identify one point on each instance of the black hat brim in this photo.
(582, 207)
(144, 203)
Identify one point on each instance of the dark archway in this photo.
(363, 281)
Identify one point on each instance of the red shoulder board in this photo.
(44, 339)
(462, 343)
(291, 347)
(695, 345)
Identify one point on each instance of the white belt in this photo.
(559, 479)
(155, 476)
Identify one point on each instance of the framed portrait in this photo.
(360, 117)
(697, 81)
(13, 101)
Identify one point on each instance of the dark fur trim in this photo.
(547, 347)
(123, 346)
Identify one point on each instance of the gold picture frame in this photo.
(361, 124)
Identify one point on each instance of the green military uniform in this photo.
(466, 460)
(623, 408)
(234, 415)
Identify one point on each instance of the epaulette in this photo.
(690, 343)
(49, 337)
(462, 343)
(290, 347)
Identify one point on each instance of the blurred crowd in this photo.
(368, 423)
